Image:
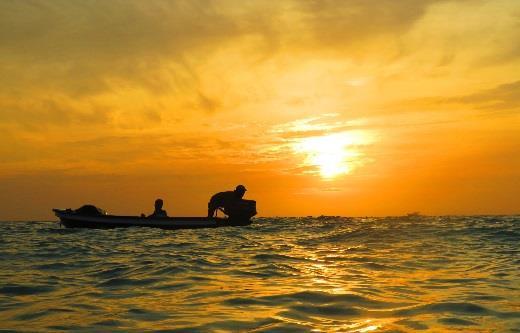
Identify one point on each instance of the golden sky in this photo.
(354, 107)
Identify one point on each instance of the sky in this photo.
(355, 107)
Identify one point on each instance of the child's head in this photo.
(158, 204)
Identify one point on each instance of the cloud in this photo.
(207, 103)
(314, 126)
(61, 30)
(73, 54)
(505, 97)
(339, 24)
(40, 113)
(78, 46)
(83, 47)
(502, 98)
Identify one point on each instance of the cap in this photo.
(240, 188)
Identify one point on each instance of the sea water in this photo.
(330, 274)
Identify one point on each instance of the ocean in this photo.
(327, 274)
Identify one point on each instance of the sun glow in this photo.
(333, 154)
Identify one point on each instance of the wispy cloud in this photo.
(505, 97)
(227, 89)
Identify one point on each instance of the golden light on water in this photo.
(369, 328)
(333, 154)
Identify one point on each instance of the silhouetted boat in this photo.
(90, 216)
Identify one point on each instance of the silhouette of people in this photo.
(159, 212)
(225, 200)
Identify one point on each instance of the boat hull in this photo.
(70, 219)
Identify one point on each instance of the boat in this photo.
(89, 216)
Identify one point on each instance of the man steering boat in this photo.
(230, 202)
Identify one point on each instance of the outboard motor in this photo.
(242, 210)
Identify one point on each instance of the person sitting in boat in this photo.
(225, 200)
(159, 212)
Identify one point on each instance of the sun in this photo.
(333, 154)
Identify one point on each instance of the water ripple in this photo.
(332, 274)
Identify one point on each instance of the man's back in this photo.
(223, 198)
(226, 200)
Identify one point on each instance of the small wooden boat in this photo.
(90, 216)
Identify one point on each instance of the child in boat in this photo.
(159, 212)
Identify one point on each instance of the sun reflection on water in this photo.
(350, 275)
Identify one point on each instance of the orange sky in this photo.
(318, 107)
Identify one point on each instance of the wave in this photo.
(280, 274)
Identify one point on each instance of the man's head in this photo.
(240, 190)
(158, 204)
